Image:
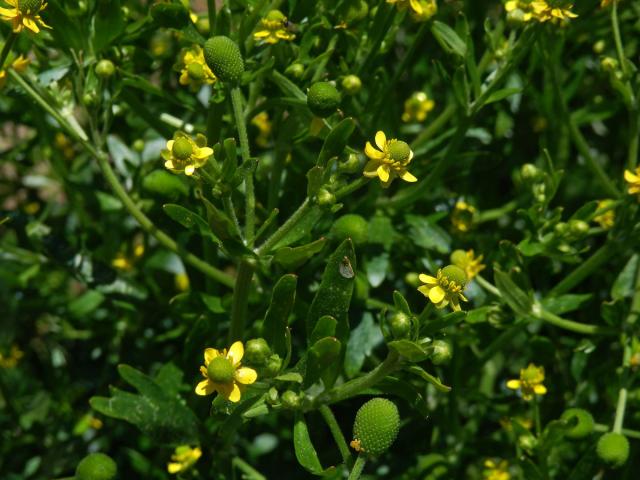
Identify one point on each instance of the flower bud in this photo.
(351, 84)
(224, 58)
(584, 425)
(599, 46)
(400, 325)
(295, 70)
(350, 165)
(376, 426)
(323, 99)
(325, 198)
(96, 466)
(256, 352)
(578, 228)
(138, 145)
(613, 449)
(272, 368)
(105, 68)
(351, 226)
(530, 172)
(412, 279)
(290, 400)
(441, 352)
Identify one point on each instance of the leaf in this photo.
(409, 350)
(315, 178)
(565, 303)
(276, 320)
(435, 381)
(381, 231)
(322, 355)
(85, 304)
(586, 467)
(291, 258)
(428, 236)
(289, 377)
(448, 39)
(108, 23)
(515, 297)
(336, 141)
(72, 34)
(190, 220)
(363, 339)
(448, 320)
(302, 228)
(325, 327)
(623, 286)
(502, 94)
(287, 87)
(305, 451)
(377, 268)
(157, 412)
(401, 303)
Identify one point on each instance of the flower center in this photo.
(275, 20)
(195, 71)
(29, 6)
(453, 278)
(182, 148)
(220, 370)
(398, 151)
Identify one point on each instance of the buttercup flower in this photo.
(195, 70)
(224, 374)
(183, 154)
(607, 218)
(263, 124)
(446, 288)
(20, 64)
(496, 470)
(530, 382)
(274, 28)
(24, 14)
(633, 179)
(467, 261)
(462, 216)
(389, 161)
(12, 359)
(416, 107)
(538, 10)
(183, 458)
(421, 10)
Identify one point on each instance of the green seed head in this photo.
(195, 71)
(351, 84)
(220, 370)
(29, 6)
(323, 99)
(376, 426)
(224, 58)
(275, 16)
(399, 151)
(455, 274)
(96, 466)
(351, 226)
(182, 148)
(613, 449)
(459, 258)
(584, 425)
(105, 68)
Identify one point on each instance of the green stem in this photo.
(536, 416)
(439, 122)
(618, 39)
(338, 437)
(351, 187)
(7, 48)
(599, 427)
(358, 467)
(248, 469)
(323, 63)
(250, 199)
(495, 213)
(285, 228)
(110, 176)
(240, 302)
(230, 210)
(488, 286)
(594, 262)
(211, 10)
(570, 325)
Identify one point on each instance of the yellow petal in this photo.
(235, 394)
(415, 5)
(540, 389)
(513, 384)
(13, 3)
(372, 152)
(261, 34)
(424, 290)
(383, 173)
(235, 353)
(246, 375)
(428, 279)
(189, 169)
(205, 387)
(204, 152)
(169, 164)
(8, 12)
(407, 177)
(170, 145)
(436, 294)
(381, 140)
(30, 24)
(174, 467)
(184, 78)
(210, 354)
(203, 371)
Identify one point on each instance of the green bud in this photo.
(323, 99)
(530, 172)
(527, 442)
(295, 70)
(458, 257)
(203, 26)
(170, 15)
(351, 226)
(376, 426)
(272, 396)
(325, 198)
(96, 466)
(256, 352)
(164, 184)
(400, 325)
(455, 274)
(441, 352)
(224, 58)
(138, 145)
(351, 84)
(599, 46)
(272, 368)
(613, 449)
(561, 229)
(578, 228)
(412, 279)
(584, 425)
(90, 98)
(350, 165)
(290, 400)
(105, 68)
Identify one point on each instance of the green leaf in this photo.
(448, 320)
(289, 377)
(230, 164)
(302, 228)
(363, 339)
(448, 39)
(276, 320)
(401, 303)
(315, 179)
(435, 381)
(287, 87)
(71, 34)
(322, 355)
(305, 451)
(336, 141)
(586, 467)
(190, 220)
(624, 285)
(325, 327)
(515, 297)
(377, 268)
(428, 236)
(108, 24)
(86, 303)
(409, 350)
(156, 410)
(502, 94)
(565, 303)
(291, 258)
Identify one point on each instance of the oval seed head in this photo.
(220, 370)
(455, 274)
(105, 68)
(376, 426)
(182, 148)
(96, 466)
(29, 6)
(458, 257)
(224, 58)
(351, 84)
(275, 16)
(613, 449)
(585, 424)
(399, 151)
(323, 99)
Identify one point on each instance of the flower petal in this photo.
(436, 294)
(383, 173)
(540, 389)
(407, 177)
(205, 387)
(30, 24)
(381, 139)
(204, 152)
(513, 384)
(236, 353)
(189, 169)
(174, 467)
(8, 12)
(246, 376)
(203, 371)
(170, 145)
(234, 395)
(428, 279)
(372, 152)
(424, 289)
(210, 354)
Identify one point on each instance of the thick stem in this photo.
(240, 305)
(338, 437)
(358, 467)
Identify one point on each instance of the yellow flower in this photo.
(181, 281)
(530, 382)
(24, 14)
(607, 218)
(389, 161)
(195, 70)
(462, 216)
(20, 64)
(11, 360)
(446, 288)
(183, 154)
(633, 179)
(224, 374)
(274, 28)
(263, 124)
(124, 261)
(183, 458)
(421, 10)
(467, 261)
(496, 470)
(416, 107)
(538, 10)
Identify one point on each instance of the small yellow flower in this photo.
(12, 359)
(183, 459)
(194, 70)
(126, 261)
(633, 179)
(274, 28)
(389, 161)
(462, 216)
(467, 261)
(530, 382)
(183, 154)
(20, 64)
(181, 281)
(446, 288)
(416, 107)
(496, 470)
(224, 374)
(538, 10)
(24, 14)
(421, 10)
(607, 218)
(263, 124)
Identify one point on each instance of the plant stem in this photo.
(230, 210)
(211, 11)
(536, 416)
(285, 228)
(331, 422)
(240, 305)
(110, 176)
(488, 286)
(358, 467)
(599, 427)
(618, 39)
(351, 187)
(248, 469)
(8, 44)
(570, 325)
(495, 213)
(439, 122)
